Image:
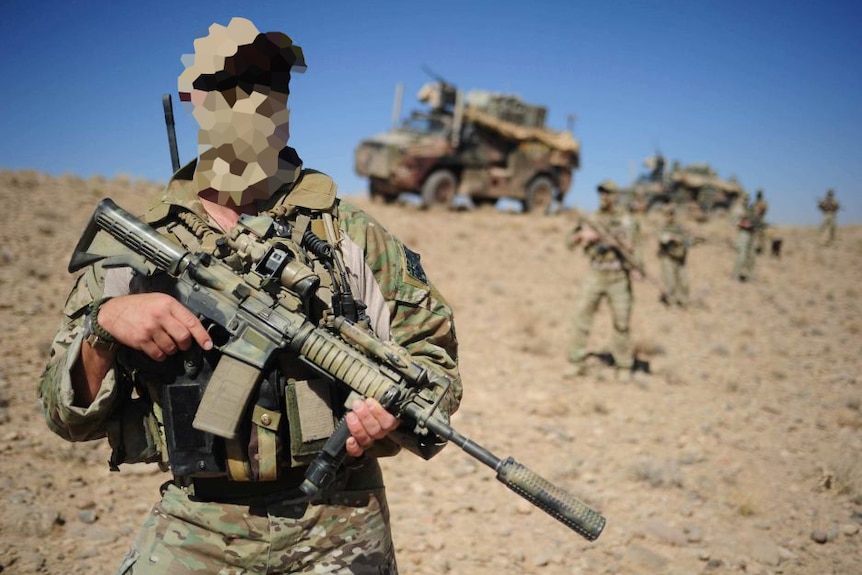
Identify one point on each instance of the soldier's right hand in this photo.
(588, 235)
(154, 323)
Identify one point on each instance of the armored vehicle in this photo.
(696, 185)
(482, 145)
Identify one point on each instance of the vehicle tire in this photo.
(375, 191)
(439, 189)
(540, 195)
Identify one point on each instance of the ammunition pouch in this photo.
(133, 434)
(308, 405)
(286, 424)
(191, 452)
(673, 249)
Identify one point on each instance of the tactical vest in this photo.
(292, 411)
(672, 243)
(603, 255)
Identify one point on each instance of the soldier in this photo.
(760, 208)
(673, 244)
(746, 227)
(609, 277)
(122, 333)
(829, 206)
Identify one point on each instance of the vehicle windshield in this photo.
(422, 124)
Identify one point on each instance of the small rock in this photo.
(647, 561)
(765, 551)
(693, 534)
(849, 529)
(819, 536)
(87, 516)
(88, 553)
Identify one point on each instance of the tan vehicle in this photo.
(481, 145)
(694, 185)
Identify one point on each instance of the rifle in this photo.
(630, 262)
(261, 312)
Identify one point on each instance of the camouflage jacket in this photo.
(673, 242)
(404, 306)
(828, 206)
(625, 229)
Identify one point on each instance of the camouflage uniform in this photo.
(746, 226)
(760, 208)
(608, 278)
(210, 525)
(829, 206)
(672, 253)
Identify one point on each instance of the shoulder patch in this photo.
(413, 266)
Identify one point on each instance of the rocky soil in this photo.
(738, 453)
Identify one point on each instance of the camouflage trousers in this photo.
(744, 266)
(675, 280)
(347, 535)
(616, 287)
(827, 227)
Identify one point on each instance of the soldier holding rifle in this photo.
(130, 358)
(611, 241)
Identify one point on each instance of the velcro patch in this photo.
(413, 266)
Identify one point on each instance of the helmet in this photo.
(608, 187)
(830, 193)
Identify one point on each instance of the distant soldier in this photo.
(611, 241)
(673, 244)
(738, 208)
(829, 206)
(760, 208)
(746, 227)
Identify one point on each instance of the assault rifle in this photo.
(665, 247)
(630, 262)
(261, 309)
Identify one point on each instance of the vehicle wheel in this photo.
(439, 189)
(540, 195)
(377, 193)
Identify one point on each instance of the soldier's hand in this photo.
(367, 421)
(636, 275)
(588, 235)
(154, 323)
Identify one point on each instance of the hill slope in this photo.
(738, 450)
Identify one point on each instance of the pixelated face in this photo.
(236, 84)
(606, 200)
(240, 143)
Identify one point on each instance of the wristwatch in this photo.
(94, 334)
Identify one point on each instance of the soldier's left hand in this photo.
(637, 276)
(367, 421)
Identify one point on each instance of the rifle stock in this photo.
(262, 319)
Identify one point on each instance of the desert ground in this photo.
(739, 451)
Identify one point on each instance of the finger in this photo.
(153, 351)
(353, 448)
(357, 430)
(197, 330)
(362, 410)
(385, 420)
(165, 342)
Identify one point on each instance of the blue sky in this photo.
(768, 91)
